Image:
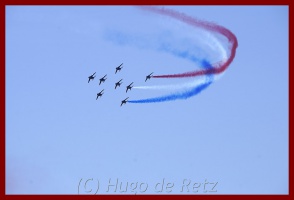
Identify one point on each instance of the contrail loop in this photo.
(206, 76)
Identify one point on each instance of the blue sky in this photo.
(233, 135)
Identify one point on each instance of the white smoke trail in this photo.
(187, 85)
(198, 81)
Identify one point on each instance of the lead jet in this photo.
(91, 77)
(148, 76)
(124, 101)
(99, 94)
(129, 87)
(102, 79)
(118, 68)
(117, 84)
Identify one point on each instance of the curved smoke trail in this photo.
(207, 26)
(187, 89)
(209, 70)
(202, 62)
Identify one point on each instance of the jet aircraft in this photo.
(91, 77)
(99, 94)
(124, 101)
(148, 76)
(118, 68)
(129, 87)
(102, 79)
(117, 84)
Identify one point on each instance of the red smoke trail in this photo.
(218, 68)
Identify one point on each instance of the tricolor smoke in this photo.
(214, 28)
(208, 70)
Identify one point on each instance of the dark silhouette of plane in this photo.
(124, 101)
(148, 76)
(102, 79)
(118, 68)
(117, 84)
(99, 94)
(91, 77)
(129, 87)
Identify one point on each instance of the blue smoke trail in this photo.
(172, 97)
(144, 42)
(181, 54)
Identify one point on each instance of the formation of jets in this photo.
(117, 84)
